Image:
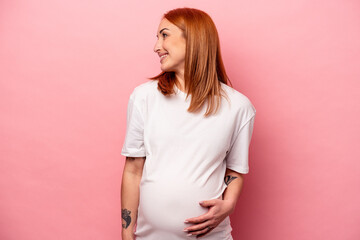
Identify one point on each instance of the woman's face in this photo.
(171, 47)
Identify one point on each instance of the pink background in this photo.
(67, 69)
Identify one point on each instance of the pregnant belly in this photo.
(164, 207)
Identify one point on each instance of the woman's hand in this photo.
(218, 211)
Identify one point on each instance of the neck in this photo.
(180, 82)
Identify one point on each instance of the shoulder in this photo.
(144, 90)
(240, 103)
(141, 94)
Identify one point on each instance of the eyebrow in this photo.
(162, 30)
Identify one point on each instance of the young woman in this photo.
(187, 138)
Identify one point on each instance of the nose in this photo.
(157, 46)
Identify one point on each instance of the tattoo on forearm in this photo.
(125, 214)
(228, 179)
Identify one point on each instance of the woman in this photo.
(184, 162)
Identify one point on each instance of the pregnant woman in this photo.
(187, 138)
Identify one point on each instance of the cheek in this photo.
(167, 46)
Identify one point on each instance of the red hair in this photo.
(204, 68)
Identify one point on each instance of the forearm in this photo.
(234, 180)
(129, 202)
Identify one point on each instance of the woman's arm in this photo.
(218, 209)
(233, 190)
(130, 194)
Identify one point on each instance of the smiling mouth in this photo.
(162, 57)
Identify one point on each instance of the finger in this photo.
(208, 203)
(202, 231)
(202, 218)
(203, 234)
(199, 219)
(198, 226)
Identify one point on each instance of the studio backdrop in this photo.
(67, 69)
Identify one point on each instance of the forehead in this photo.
(164, 23)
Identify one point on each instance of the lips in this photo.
(162, 56)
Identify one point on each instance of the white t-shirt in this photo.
(186, 157)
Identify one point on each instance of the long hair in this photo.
(204, 68)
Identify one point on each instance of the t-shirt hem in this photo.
(239, 170)
(134, 154)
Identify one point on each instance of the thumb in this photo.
(207, 203)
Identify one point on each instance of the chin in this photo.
(165, 69)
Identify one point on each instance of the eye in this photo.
(164, 34)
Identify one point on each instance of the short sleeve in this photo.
(134, 138)
(237, 158)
